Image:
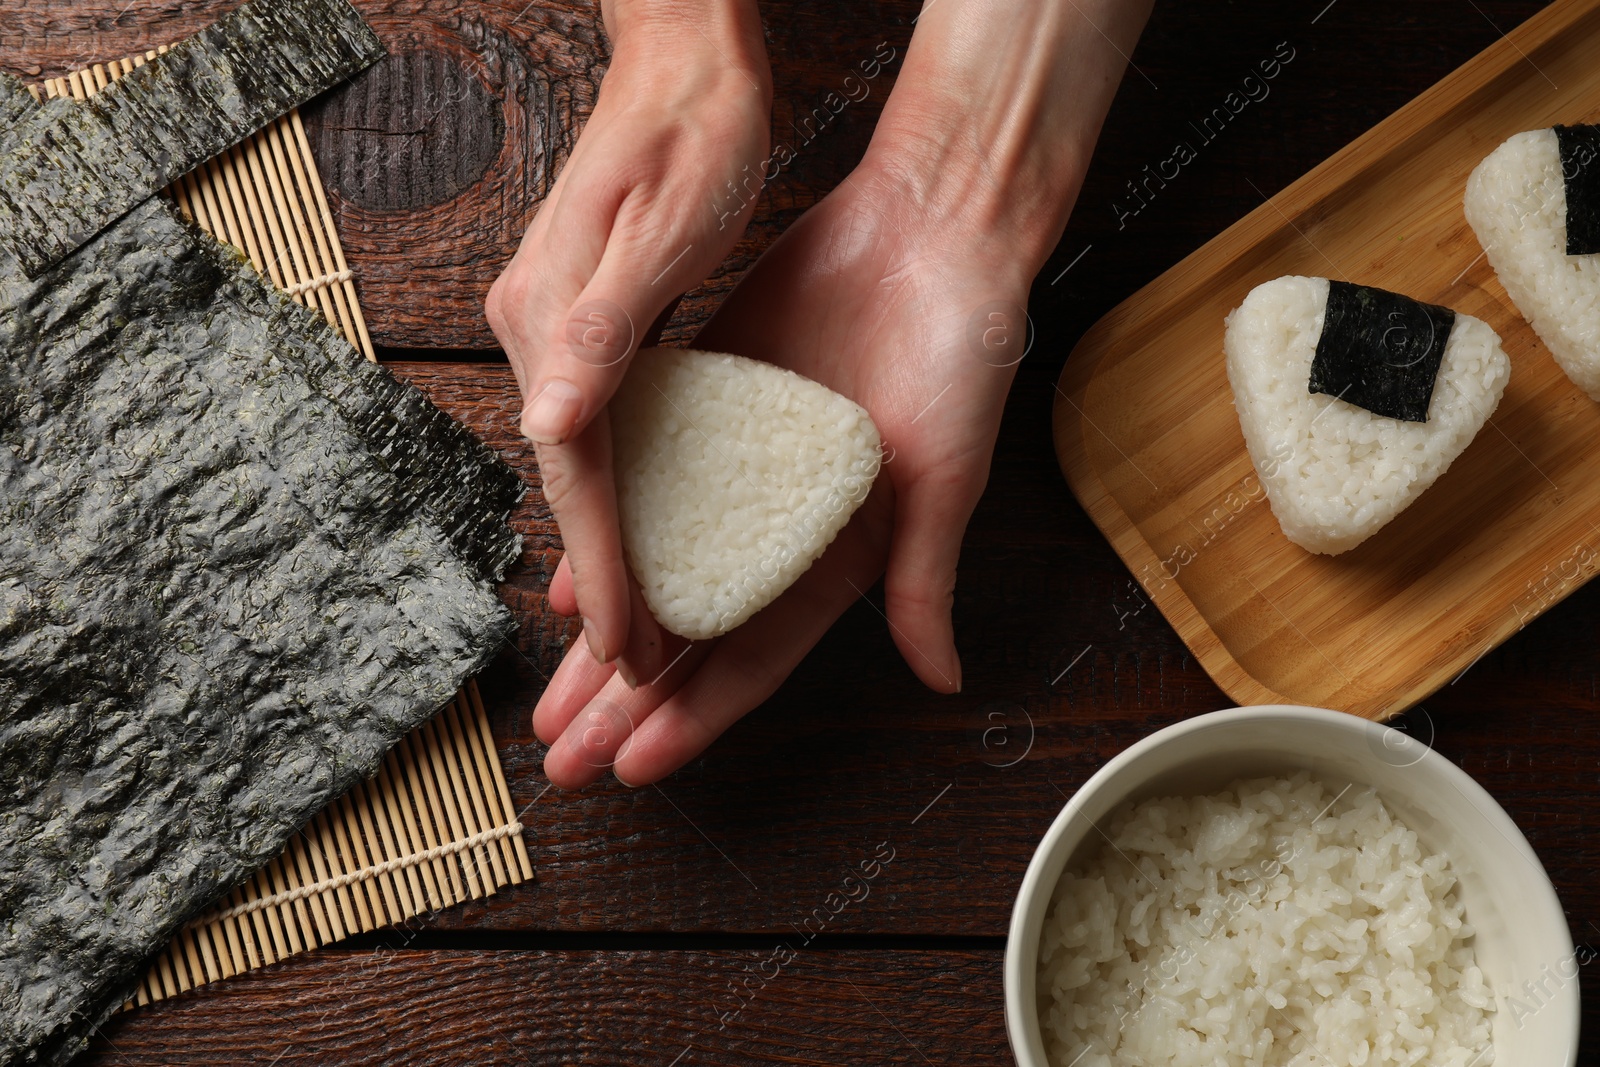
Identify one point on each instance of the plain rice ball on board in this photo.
(1516, 203)
(1333, 472)
(733, 476)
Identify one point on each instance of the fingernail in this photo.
(553, 412)
(625, 783)
(597, 647)
(629, 679)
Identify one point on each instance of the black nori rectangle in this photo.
(1380, 350)
(91, 161)
(221, 599)
(1580, 172)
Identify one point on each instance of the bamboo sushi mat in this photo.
(436, 826)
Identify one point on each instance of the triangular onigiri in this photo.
(733, 476)
(1335, 473)
(1516, 203)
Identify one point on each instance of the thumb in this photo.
(930, 518)
(633, 286)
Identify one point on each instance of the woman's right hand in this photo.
(653, 198)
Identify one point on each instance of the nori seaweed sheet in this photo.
(464, 487)
(1380, 350)
(93, 160)
(217, 610)
(15, 102)
(441, 469)
(1580, 171)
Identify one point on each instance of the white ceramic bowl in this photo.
(1523, 944)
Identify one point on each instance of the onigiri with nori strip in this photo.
(1533, 202)
(733, 476)
(1334, 472)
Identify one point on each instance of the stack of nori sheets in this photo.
(238, 564)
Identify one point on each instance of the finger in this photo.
(641, 660)
(930, 519)
(579, 487)
(589, 744)
(563, 600)
(645, 266)
(556, 258)
(579, 677)
(748, 665)
(642, 656)
(600, 727)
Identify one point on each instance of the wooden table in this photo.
(650, 933)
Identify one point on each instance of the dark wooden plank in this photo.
(457, 137)
(636, 1007)
(755, 834)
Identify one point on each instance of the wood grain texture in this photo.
(571, 1008)
(438, 157)
(852, 747)
(1150, 442)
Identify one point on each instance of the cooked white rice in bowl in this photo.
(1274, 923)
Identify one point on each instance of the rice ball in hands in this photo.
(1535, 205)
(733, 476)
(1346, 430)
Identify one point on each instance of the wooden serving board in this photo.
(1147, 435)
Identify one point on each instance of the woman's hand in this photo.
(904, 290)
(653, 198)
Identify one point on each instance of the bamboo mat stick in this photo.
(436, 825)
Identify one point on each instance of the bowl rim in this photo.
(1022, 1028)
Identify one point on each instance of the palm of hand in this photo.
(849, 298)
